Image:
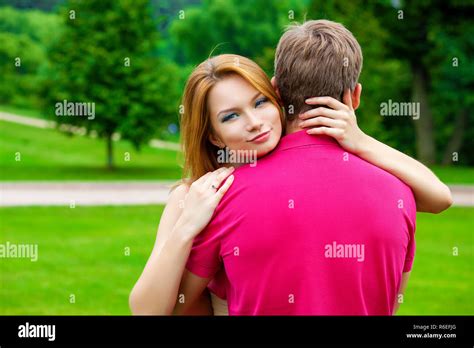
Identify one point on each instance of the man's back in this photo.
(310, 230)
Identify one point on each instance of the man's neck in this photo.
(292, 126)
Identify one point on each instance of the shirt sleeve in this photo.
(411, 225)
(204, 259)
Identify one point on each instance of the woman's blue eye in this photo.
(261, 101)
(228, 117)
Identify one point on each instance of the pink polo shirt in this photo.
(310, 230)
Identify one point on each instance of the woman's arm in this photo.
(401, 291)
(430, 193)
(340, 122)
(185, 215)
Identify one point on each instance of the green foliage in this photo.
(452, 77)
(83, 59)
(25, 36)
(436, 37)
(382, 77)
(248, 28)
(106, 56)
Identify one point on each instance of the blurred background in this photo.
(89, 191)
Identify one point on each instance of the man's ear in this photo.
(355, 96)
(275, 86)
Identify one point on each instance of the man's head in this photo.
(317, 58)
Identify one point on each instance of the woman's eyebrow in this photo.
(234, 108)
(225, 111)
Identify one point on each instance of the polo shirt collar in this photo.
(301, 138)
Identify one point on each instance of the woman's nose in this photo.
(254, 122)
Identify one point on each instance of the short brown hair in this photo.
(316, 58)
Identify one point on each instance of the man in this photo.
(311, 230)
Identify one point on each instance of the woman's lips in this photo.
(261, 137)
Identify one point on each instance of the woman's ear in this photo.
(216, 141)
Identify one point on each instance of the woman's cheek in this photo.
(273, 116)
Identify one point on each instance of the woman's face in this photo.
(242, 118)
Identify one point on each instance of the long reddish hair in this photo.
(200, 155)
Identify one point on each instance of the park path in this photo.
(83, 193)
(122, 193)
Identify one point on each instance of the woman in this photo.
(229, 103)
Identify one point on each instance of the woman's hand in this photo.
(202, 199)
(337, 120)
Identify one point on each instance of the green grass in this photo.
(21, 111)
(455, 174)
(162, 134)
(47, 154)
(82, 252)
(440, 282)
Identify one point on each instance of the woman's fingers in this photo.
(323, 121)
(332, 132)
(202, 178)
(322, 111)
(212, 175)
(328, 101)
(347, 98)
(220, 177)
(221, 192)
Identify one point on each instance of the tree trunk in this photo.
(454, 144)
(425, 144)
(110, 154)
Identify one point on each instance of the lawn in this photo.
(161, 133)
(47, 154)
(82, 252)
(455, 174)
(21, 111)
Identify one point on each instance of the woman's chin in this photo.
(265, 149)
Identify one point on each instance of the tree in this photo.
(383, 77)
(25, 36)
(249, 28)
(107, 56)
(429, 34)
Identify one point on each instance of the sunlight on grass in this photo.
(47, 154)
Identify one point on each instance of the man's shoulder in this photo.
(380, 179)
